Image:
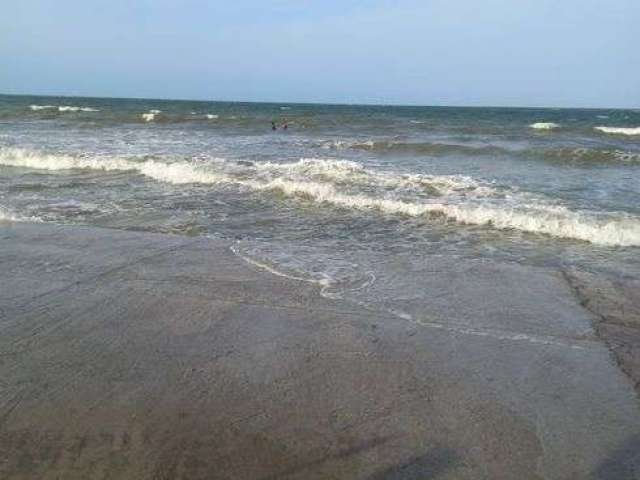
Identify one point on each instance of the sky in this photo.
(557, 53)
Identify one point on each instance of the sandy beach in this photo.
(147, 356)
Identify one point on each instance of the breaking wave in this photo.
(619, 130)
(350, 185)
(611, 229)
(176, 172)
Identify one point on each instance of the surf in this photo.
(350, 185)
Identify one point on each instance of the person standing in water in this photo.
(273, 126)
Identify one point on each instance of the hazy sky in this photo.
(432, 52)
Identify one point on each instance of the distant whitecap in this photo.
(544, 125)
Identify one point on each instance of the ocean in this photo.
(354, 198)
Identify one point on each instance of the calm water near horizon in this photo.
(350, 197)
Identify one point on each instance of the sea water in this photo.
(354, 198)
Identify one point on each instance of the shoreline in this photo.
(141, 355)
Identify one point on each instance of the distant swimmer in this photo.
(273, 126)
(285, 126)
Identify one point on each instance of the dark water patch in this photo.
(581, 155)
(427, 148)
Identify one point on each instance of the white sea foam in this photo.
(324, 283)
(619, 130)
(66, 108)
(594, 155)
(180, 172)
(7, 216)
(613, 229)
(176, 172)
(151, 115)
(313, 166)
(335, 144)
(334, 274)
(353, 173)
(63, 108)
(544, 125)
(16, 157)
(211, 116)
(350, 185)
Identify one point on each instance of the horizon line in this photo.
(331, 104)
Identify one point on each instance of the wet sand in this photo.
(142, 356)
